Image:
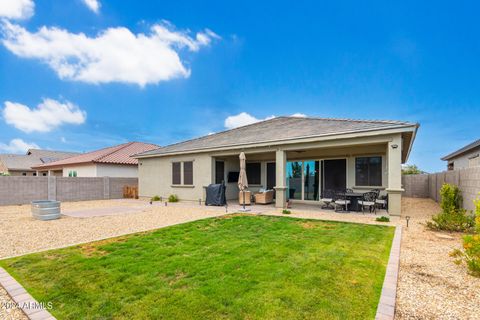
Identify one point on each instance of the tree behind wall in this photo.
(411, 169)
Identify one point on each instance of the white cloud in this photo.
(93, 5)
(45, 117)
(114, 55)
(16, 9)
(242, 119)
(299, 115)
(17, 146)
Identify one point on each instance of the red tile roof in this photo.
(120, 154)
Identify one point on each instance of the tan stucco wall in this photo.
(117, 171)
(155, 174)
(155, 177)
(89, 170)
(102, 170)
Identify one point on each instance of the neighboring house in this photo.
(298, 157)
(113, 161)
(21, 164)
(465, 157)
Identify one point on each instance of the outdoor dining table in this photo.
(354, 197)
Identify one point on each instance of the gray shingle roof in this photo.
(32, 158)
(460, 151)
(277, 130)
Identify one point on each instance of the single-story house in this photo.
(21, 164)
(466, 157)
(113, 161)
(298, 157)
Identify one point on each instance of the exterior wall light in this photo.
(394, 146)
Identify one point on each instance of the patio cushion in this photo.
(342, 201)
(366, 203)
(326, 200)
(381, 201)
(264, 197)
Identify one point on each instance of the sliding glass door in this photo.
(310, 180)
(294, 179)
(303, 179)
(334, 174)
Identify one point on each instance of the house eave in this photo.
(276, 143)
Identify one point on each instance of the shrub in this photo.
(173, 198)
(454, 221)
(383, 219)
(453, 217)
(470, 254)
(471, 246)
(451, 198)
(155, 198)
(285, 211)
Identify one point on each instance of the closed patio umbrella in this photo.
(242, 177)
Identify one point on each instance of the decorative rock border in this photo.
(31, 307)
(386, 305)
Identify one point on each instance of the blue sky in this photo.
(200, 62)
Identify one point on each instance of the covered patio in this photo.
(301, 174)
(299, 158)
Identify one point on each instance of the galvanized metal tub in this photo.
(46, 209)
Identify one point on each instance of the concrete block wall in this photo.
(416, 186)
(23, 190)
(20, 189)
(470, 186)
(428, 186)
(77, 189)
(117, 184)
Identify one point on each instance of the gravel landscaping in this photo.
(431, 285)
(7, 312)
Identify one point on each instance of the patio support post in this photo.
(280, 178)
(394, 190)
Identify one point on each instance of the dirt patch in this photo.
(308, 225)
(94, 249)
(178, 276)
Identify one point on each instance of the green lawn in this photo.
(238, 267)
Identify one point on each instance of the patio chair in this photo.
(377, 191)
(328, 196)
(382, 202)
(368, 200)
(341, 201)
